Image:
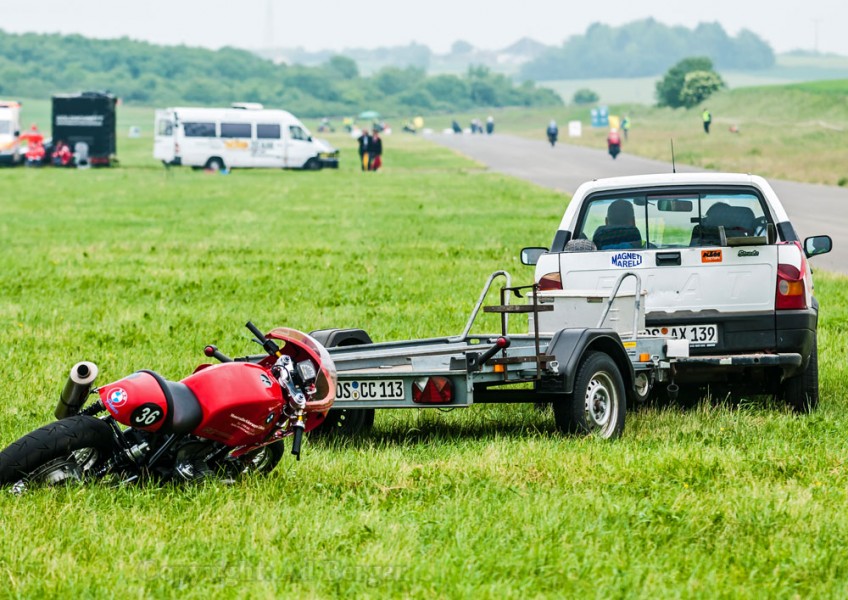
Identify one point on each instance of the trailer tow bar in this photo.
(476, 361)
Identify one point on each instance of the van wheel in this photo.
(802, 391)
(214, 164)
(598, 404)
(313, 164)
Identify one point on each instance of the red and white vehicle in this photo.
(720, 264)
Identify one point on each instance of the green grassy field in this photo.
(139, 267)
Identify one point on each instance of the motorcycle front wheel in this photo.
(59, 452)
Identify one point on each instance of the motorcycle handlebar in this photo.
(298, 439)
(269, 346)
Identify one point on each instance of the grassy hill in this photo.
(794, 131)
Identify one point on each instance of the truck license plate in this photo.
(370, 389)
(698, 335)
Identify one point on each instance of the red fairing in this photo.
(137, 401)
(240, 401)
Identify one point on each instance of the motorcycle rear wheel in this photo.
(62, 451)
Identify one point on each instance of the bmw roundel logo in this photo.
(117, 397)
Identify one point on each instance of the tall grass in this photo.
(139, 267)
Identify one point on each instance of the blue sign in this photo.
(600, 116)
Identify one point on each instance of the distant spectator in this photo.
(625, 126)
(364, 150)
(62, 155)
(376, 151)
(490, 125)
(708, 118)
(455, 126)
(35, 154)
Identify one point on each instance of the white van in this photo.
(245, 135)
(11, 152)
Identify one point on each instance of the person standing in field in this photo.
(708, 118)
(364, 150)
(376, 151)
(490, 125)
(625, 126)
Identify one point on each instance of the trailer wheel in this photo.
(346, 422)
(598, 404)
(214, 164)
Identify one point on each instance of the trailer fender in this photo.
(331, 338)
(570, 345)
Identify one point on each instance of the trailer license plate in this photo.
(370, 389)
(698, 335)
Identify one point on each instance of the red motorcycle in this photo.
(224, 420)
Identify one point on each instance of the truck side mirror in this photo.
(818, 244)
(530, 255)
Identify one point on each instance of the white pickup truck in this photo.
(720, 264)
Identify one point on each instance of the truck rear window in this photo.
(671, 220)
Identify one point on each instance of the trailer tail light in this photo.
(550, 281)
(432, 390)
(791, 289)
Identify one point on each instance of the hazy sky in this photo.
(336, 24)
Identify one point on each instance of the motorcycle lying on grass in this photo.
(223, 420)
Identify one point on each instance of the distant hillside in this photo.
(644, 48)
(462, 56)
(37, 66)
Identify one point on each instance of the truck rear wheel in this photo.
(598, 403)
(802, 391)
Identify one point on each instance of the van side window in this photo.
(199, 129)
(166, 127)
(235, 130)
(268, 131)
(297, 133)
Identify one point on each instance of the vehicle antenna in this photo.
(673, 168)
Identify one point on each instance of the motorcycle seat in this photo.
(184, 411)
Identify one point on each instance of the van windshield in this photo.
(672, 220)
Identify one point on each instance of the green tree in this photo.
(698, 86)
(585, 96)
(343, 67)
(669, 87)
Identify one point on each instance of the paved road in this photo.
(813, 209)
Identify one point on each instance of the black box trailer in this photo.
(87, 117)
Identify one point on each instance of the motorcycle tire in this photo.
(264, 459)
(57, 452)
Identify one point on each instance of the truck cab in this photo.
(720, 265)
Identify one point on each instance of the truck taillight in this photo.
(432, 390)
(791, 289)
(550, 281)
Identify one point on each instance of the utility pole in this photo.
(816, 35)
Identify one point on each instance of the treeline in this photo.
(645, 48)
(36, 65)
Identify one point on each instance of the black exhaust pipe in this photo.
(76, 389)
